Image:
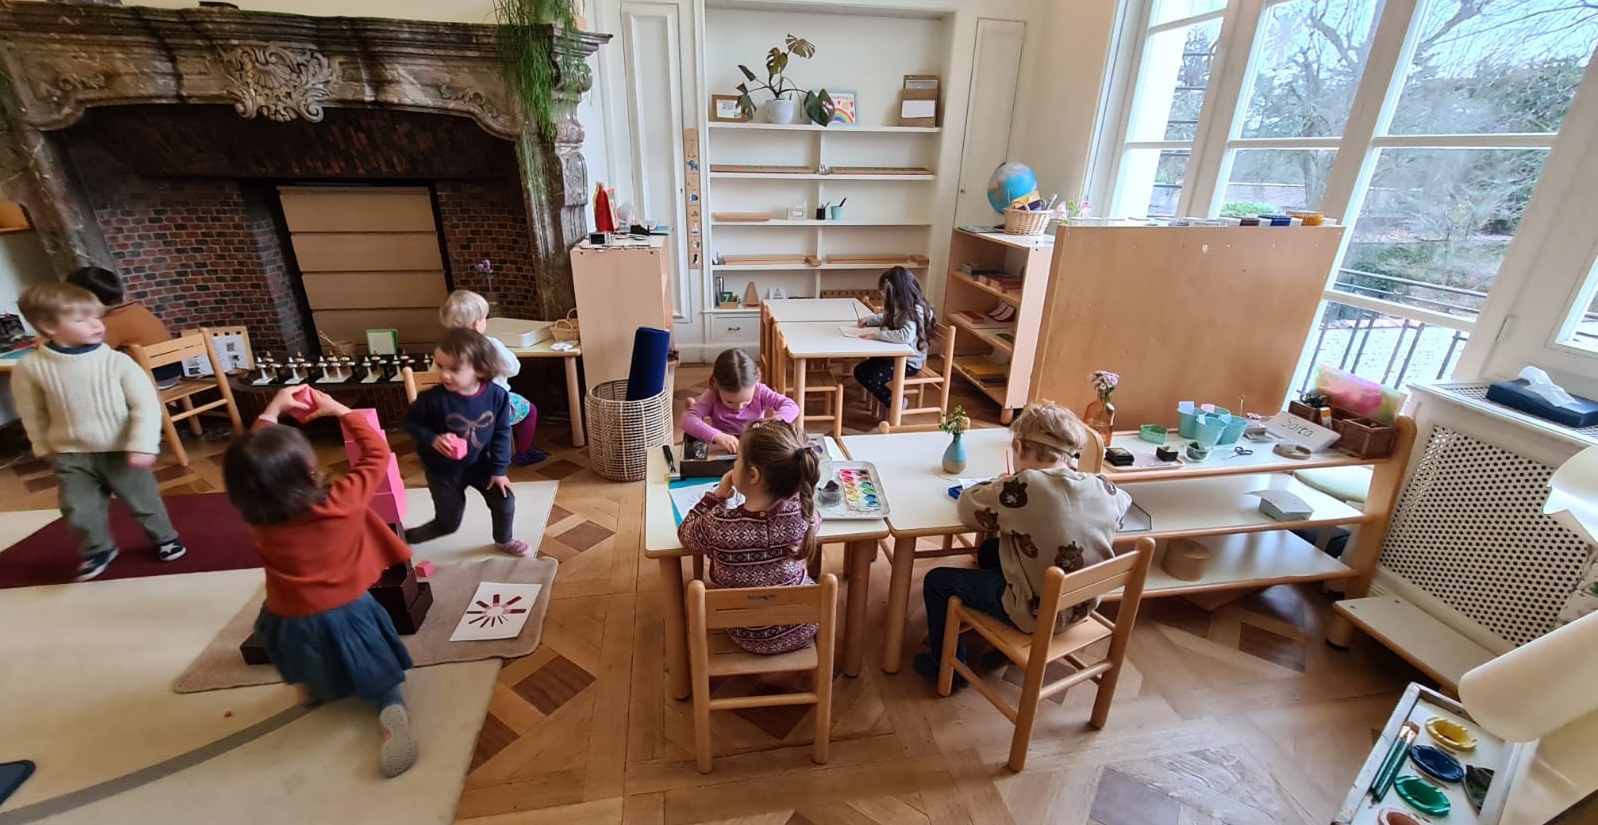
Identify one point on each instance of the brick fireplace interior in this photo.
(187, 197)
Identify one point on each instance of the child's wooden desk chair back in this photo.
(1034, 651)
(717, 655)
(415, 382)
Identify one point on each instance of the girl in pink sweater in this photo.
(735, 400)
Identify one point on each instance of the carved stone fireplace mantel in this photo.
(65, 59)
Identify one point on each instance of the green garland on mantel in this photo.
(538, 46)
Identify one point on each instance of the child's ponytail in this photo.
(809, 477)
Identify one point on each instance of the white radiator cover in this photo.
(1468, 541)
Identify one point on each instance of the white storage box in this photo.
(513, 332)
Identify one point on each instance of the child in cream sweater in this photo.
(97, 414)
(1047, 514)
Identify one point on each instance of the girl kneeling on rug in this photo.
(322, 547)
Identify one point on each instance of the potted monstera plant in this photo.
(783, 105)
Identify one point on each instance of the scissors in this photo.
(1237, 451)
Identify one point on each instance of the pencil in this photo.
(1007, 470)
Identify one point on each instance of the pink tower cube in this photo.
(389, 503)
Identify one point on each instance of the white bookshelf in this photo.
(883, 214)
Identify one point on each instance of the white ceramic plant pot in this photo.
(780, 110)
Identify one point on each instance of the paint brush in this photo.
(1394, 761)
(1007, 466)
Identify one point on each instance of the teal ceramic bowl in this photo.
(1234, 430)
(1152, 433)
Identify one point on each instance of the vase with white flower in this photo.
(1100, 414)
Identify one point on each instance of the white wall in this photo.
(1057, 115)
(23, 263)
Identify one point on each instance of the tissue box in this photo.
(1581, 412)
(1283, 506)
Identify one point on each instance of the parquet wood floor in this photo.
(1240, 716)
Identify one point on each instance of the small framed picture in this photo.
(724, 109)
(844, 109)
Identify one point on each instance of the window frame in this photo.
(1366, 134)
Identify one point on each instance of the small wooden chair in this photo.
(1034, 651)
(717, 655)
(415, 382)
(934, 374)
(819, 381)
(176, 351)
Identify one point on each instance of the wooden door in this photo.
(369, 259)
(995, 73)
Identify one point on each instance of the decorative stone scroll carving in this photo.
(279, 82)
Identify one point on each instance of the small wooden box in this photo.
(1359, 436)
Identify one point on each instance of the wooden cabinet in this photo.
(619, 289)
(1008, 276)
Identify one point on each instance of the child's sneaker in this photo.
(399, 747)
(95, 565)
(515, 547)
(171, 551)
(532, 456)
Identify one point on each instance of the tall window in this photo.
(1422, 126)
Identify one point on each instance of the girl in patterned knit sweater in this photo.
(768, 540)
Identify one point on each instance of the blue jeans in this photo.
(981, 589)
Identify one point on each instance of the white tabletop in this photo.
(825, 339)
(913, 478)
(544, 349)
(660, 520)
(917, 488)
(816, 309)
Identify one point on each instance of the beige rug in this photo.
(221, 665)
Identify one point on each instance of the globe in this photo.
(1011, 182)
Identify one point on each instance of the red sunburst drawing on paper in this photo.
(494, 614)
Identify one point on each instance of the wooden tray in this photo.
(888, 259)
(878, 170)
(761, 169)
(796, 259)
(860, 481)
(740, 217)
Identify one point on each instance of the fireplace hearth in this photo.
(156, 141)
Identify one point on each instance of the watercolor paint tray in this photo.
(1420, 705)
(863, 494)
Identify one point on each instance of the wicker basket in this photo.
(621, 433)
(567, 330)
(1025, 222)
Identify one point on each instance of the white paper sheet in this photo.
(496, 611)
(918, 108)
(855, 332)
(685, 497)
(1573, 494)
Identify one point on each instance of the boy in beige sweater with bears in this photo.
(1047, 514)
(96, 413)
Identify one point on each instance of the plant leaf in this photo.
(818, 107)
(745, 69)
(800, 46)
(746, 107)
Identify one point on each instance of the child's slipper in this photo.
(928, 668)
(515, 547)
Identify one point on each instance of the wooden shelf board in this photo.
(714, 222)
(1218, 464)
(1220, 504)
(815, 176)
(994, 391)
(801, 267)
(1248, 560)
(986, 336)
(1439, 650)
(734, 311)
(811, 127)
(1044, 241)
(956, 276)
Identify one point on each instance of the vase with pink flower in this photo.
(1100, 414)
